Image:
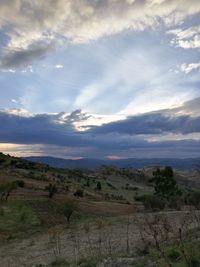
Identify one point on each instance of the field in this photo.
(105, 220)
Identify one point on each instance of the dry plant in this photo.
(54, 234)
(75, 236)
(87, 230)
(127, 235)
(100, 223)
(155, 231)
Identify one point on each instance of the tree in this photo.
(164, 183)
(99, 186)
(69, 208)
(52, 189)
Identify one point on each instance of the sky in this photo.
(100, 78)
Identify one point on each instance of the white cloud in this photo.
(45, 22)
(59, 66)
(14, 101)
(187, 68)
(187, 38)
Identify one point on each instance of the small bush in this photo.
(174, 255)
(194, 262)
(79, 193)
(140, 263)
(1, 211)
(99, 187)
(60, 263)
(176, 202)
(151, 202)
(193, 198)
(20, 183)
(69, 208)
(52, 190)
(143, 250)
(87, 262)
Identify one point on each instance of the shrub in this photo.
(79, 193)
(23, 217)
(99, 186)
(175, 202)
(60, 263)
(87, 262)
(69, 208)
(52, 189)
(151, 202)
(1, 211)
(194, 262)
(193, 198)
(20, 183)
(174, 255)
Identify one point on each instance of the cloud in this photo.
(59, 66)
(77, 21)
(191, 108)
(160, 133)
(182, 120)
(186, 38)
(153, 123)
(23, 58)
(187, 68)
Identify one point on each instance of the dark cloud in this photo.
(42, 129)
(17, 58)
(118, 138)
(152, 123)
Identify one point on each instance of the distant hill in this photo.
(181, 164)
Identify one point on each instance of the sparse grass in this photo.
(17, 219)
(176, 257)
(88, 262)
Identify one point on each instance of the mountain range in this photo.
(89, 163)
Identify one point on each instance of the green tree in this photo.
(164, 183)
(69, 208)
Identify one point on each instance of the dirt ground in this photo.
(98, 238)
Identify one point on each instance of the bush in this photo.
(23, 217)
(99, 186)
(194, 262)
(52, 189)
(1, 211)
(20, 183)
(69, 208)
(175, 202)
(60, 263)
(193, 199)
(79, 193)
(87, 262)
(174, 255)
(151, 202)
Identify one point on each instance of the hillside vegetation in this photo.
(54, 216)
